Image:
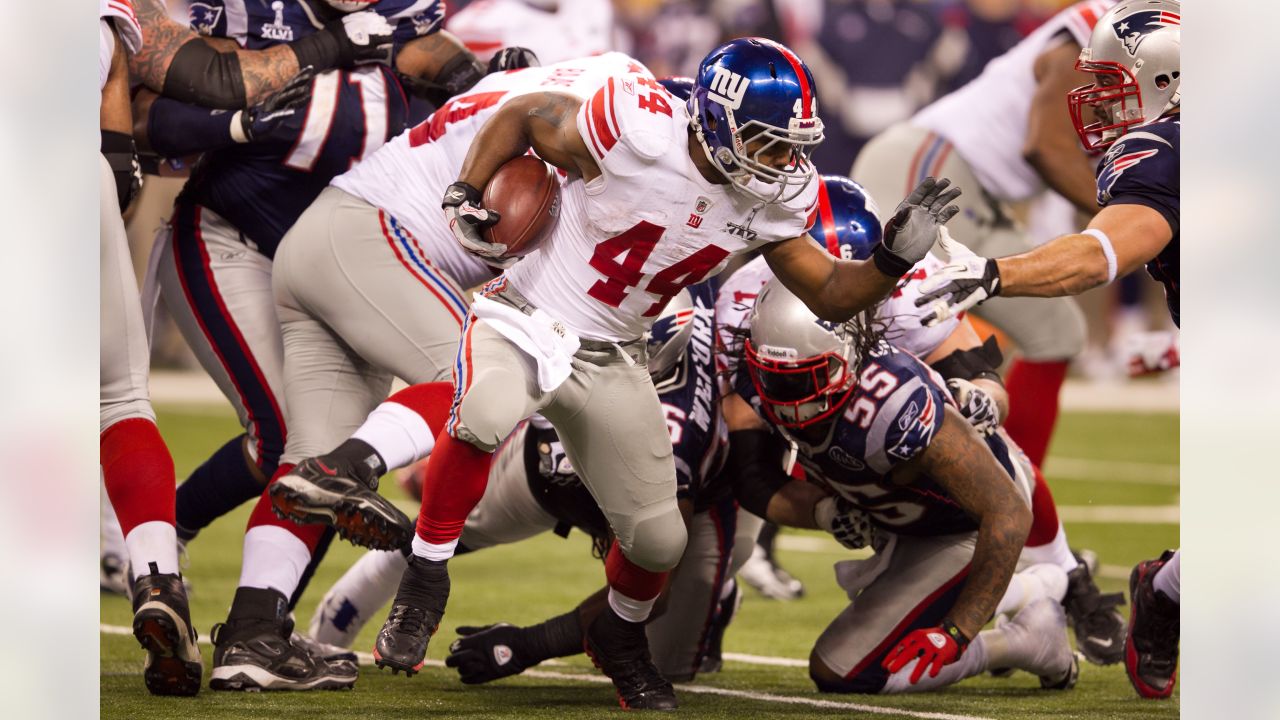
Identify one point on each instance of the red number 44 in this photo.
(634, 247)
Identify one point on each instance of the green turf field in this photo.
(1107, 462)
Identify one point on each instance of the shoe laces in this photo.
(410, 619)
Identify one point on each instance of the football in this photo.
(526, 194)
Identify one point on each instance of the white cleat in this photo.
(1037, 642)
(762, 575)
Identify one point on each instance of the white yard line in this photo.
(1139, 473)
(367, 659)
(1127, 514)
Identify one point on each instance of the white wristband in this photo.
(1107, 250)
(237, 130)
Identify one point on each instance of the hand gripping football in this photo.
(526, 194)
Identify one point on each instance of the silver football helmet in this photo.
(803, 367)
(1134, 53)
(669, 335)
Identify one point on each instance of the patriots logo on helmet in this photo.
(204, 17)
(1133, 29)
(1115, 163)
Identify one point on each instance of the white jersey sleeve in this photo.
(734, 302)
(117, 14)
(899, 311)
(623, 142)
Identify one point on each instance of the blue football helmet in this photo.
(848, 223)
(681, 87)
(753, 91)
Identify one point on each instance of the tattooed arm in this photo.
(545, 121)
(228, 80)
(963, 465)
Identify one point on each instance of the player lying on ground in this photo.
(890, 462)
(560, 332)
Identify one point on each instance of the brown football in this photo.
(526, 194)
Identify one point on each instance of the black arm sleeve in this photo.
(979, 362)
(754, 467)
(203, 76)
(122, 156)
(457, 76)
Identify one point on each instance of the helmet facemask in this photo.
(800, 392)
(739, 151)
(1116, 106)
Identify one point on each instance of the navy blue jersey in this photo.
(257, 24)
(1141, 168)
(890, 418)
(262, 188)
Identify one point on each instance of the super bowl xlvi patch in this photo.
(277, 29)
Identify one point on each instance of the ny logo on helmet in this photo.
(1132, 29)
(728, 88)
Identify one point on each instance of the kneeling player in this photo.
(947, 508)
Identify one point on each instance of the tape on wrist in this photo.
(1107, 250)
(237, 128)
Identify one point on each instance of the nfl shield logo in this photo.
(703, 205)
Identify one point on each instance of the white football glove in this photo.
(467, 221)
(976, 405)
(366, 38)
(850, 526)
(960, 284)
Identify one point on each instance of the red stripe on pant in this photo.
(138, 472)
(263, 515)
(1044, 513)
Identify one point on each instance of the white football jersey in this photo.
(986, 120)
(117, 13)
(407, 176)
(650, 224)
(903, 330)
(574, 29)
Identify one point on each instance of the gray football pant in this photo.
(123, 358)
(1043, 328)
(508, 513)
(606, 414)
(353, 314)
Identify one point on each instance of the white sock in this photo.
(273, 558)
(973, 662)
(630, 609)
(110, 536)
(1039, 580)
(433, 551)
(1055, 551)
(366, 586)
(1167, 578)
(153, 542)
(727, 589)
(398, 434)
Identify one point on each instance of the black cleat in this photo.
(318, 492)
(253, 651)
(713, 660)
(621, 650)
(1099, 628)
(415, 616)
(1151, 647)
(162, 624)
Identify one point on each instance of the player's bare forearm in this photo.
(115, 114)
(793, 505)
(1052, 146)
(835, 290)
(426, 56)
(961, 463)
(266, 71)
(543, 121)
(162, 38)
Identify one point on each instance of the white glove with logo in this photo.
(976, 404)
(467, 221)
(850, 526)
(368, 38)
(960, 284)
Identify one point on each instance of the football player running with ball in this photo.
(661, 196)
(1135, 101)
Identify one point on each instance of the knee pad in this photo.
(657, 542)
(484, 416)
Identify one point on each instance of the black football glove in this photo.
(512, 58)
(122, 157)
(261, 120)
(912, 230)
(484, 654)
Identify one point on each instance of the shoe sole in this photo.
(251, 678)
(370, 522)
(1130, 652)
(163, 634)
(394, 666)
(622, 702)
(1068, 681)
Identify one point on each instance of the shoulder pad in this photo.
(908, 416)
(126, 22)
(630, 111)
